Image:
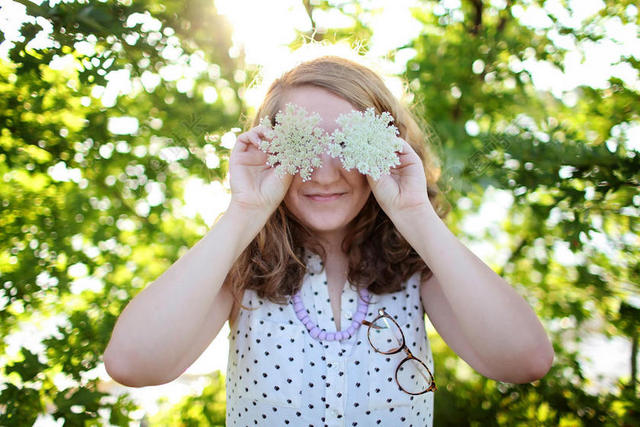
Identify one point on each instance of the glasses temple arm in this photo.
(371, 325)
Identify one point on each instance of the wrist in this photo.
(247, 212)
(416, 213)
(237, 228)
(408, 220)
(251, 219)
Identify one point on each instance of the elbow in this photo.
(543, 362)
(536, 364)
(122, 371)
(117, 370)
(526, 367)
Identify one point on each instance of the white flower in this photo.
(296, 141)
(366, 142)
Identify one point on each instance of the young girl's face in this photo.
(333, 196)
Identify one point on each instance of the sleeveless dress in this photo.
(279, 375)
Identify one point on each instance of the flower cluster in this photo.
(295, 143)
(365, 141)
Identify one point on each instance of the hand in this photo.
(254, 184)
(404, 190)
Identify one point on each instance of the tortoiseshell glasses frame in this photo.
(385, 317)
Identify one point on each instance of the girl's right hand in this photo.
(255, 185)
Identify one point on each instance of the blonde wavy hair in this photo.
(380, 259)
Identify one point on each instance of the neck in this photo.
(332, 241)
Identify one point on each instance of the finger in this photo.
(263, 132)
(239, 146)
(251, 158)
(250, 150)
(255, 140)
(405, 148)
(249, 140)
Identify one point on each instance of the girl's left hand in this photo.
(404, 190)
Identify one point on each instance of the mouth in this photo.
(325, 197)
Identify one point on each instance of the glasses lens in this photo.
(385, 336)
(413, 376)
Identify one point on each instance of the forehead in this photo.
(317, 100)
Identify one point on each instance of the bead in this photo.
(319, 334)
(359, 316)
(314, 332)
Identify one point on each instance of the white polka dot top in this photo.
(279, 375)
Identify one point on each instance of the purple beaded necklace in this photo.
(320, 334)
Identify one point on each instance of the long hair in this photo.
(380, 259)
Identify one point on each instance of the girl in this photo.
(325, 282)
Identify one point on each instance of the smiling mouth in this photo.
(325, 197)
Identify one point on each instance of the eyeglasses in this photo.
(386, 337)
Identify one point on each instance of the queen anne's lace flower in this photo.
(296, 141)
(366, 142)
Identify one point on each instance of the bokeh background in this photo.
(117, 118)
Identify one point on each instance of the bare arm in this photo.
(170, 323)
(160, 332)
(478, 313)
(475, 311)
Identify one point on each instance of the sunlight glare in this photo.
(258, 27)
(208, 200)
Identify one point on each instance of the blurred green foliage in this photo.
(76, 200)
(205, 409)
(76, 193)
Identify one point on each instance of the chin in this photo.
(323, 220)
(324, 226)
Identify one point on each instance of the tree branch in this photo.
(314, 29)
(478, 7)
(504, 16)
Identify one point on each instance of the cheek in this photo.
(364, 189)
(290, 198)
(290, 203)
(362, 192)
(365, 196)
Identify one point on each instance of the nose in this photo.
(329, 171)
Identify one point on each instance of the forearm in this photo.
(158, 326)
(498, 323)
